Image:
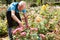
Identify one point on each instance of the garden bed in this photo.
(45, 18)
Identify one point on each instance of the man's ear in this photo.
(18, 7)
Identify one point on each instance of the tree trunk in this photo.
(14, 0)
(41, 2)
(8, 2)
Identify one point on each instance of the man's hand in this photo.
(20, 24)
(26, 20)
(27, 26)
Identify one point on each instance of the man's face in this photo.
(21, 7)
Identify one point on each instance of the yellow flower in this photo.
(55, 18)
(29, 16)
(5, 21)
(47, 5)
(40, 12)
(43, 7)
(0, 24)
(56, 28)
(56, 13)
(4, 28)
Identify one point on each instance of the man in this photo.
(14, 17)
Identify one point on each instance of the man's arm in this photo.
(15, 18)
(26, 19)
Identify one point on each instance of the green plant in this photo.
(38, 2)
(3, 27)
(50, 36)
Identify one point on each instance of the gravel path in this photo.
(5, 38)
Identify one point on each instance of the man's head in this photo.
(21, 5)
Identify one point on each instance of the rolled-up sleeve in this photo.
(12, 8)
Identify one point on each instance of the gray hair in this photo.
(21, 3)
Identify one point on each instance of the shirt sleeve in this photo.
(24, 11)
(12, 8)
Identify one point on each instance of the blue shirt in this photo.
(13, 7)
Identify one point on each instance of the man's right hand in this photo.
(20, 24)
